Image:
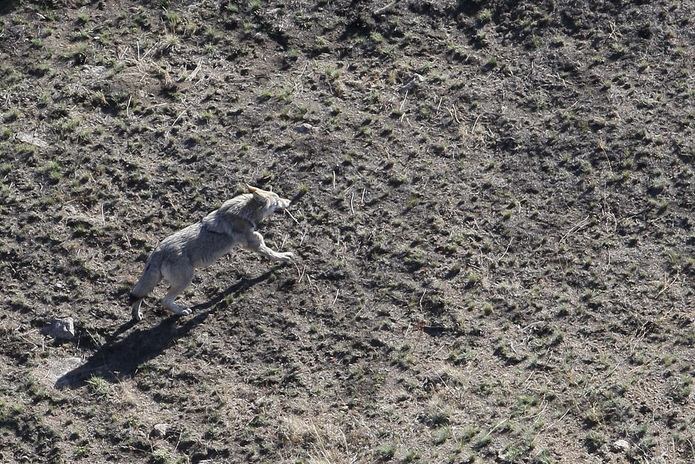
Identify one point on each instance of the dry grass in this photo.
(492, 215)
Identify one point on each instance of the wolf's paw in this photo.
(286, 257)
(178, 310)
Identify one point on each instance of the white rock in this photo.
(621, 446)
(160, 430)
(31, 139)
(306, 128)
(60, 329)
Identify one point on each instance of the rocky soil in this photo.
(492, 218)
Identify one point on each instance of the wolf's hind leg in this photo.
(178, 281)
(137, 314)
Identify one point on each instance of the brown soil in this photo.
(493, 224)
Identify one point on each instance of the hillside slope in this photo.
(492, 218)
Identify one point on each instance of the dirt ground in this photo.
(492, 219)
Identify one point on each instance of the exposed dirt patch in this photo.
(493, 224)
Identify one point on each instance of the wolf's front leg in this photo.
(258, 245)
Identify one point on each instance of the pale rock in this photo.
(621, 446)
(306, 128)
(60, 329)
(160, 430)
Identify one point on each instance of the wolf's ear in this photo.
(257, 194)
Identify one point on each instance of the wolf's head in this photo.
(269, 201)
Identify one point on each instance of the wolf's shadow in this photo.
(120, 358)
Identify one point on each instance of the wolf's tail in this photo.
(151, 276)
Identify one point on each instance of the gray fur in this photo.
(203, 243)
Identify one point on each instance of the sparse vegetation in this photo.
(492, 214)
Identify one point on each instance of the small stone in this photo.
(306, 128)
(621, 446)
(60, 329)
(160, 430)
(31, 139)
(413, 83)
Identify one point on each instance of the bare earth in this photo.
(493, 221)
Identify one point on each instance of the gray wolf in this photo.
(201, 244)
